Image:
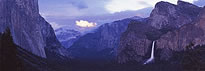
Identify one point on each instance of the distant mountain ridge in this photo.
(101, 43)
(66, 36)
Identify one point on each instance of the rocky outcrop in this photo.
(29, 30)
(101, 43)
(164, 20)
(167, 15)
(8, 51)
(178, 40)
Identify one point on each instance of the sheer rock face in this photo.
(171, 25)
(29, 30)
(174, 16)
(179, 39)
(134, 43)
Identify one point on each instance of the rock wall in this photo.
(178, 40)
(171, 25)
(167, 15)
(29, 30)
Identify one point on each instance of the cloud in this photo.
(79, 4)
(76, 8)
(200, 3)
(72, 8)
(70, 12)
(86, 24)
(57, 10)
(124, 5)
(98, 19)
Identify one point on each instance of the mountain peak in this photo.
(163, 4)
(166, 14)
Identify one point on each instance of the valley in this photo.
(172, 38)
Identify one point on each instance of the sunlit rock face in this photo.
(164, 21)
(29, 30)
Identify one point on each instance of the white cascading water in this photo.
(152, 54)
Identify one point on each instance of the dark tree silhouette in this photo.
(194, 58)
(8, 53)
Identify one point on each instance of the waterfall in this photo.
(152, 54)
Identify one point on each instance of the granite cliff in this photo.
(177, 40)
(167, 15)
(29, 30)
(164, 19)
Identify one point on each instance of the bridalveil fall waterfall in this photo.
(152, 54)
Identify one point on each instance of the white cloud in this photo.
(83, 23)
(123, 5)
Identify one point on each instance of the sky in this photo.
(82, 15)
